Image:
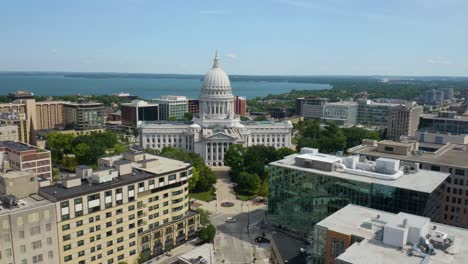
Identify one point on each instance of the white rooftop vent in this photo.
(309, 151)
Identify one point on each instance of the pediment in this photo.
(220, 136)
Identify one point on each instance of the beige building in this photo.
(8, 133)
(449, 157)
(403, 120)
(28, 227)
(131, 203)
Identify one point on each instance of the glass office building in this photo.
(301, 195)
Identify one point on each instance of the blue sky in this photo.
(295, 37)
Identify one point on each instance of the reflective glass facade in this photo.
(299, 199)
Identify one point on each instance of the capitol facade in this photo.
(216, 127)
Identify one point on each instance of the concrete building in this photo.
(342, 113)
(28, 227)
(21, 95)
(9, 133)
(131, 203)
(374, 114)
(444, 122)
(307, 187)
(440, 138)
(312, 107)
(360, 235)
(403, 120)
(216, 126)
(240, 105)
(137, 111)
(449, 158)
(26, 158)
(171, 107)
(193, 106)
(83, 115)
(18, 120)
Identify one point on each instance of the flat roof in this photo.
(18, 146)
(162, 167)
(451, 154)
(349, 220)
(205, 251)
(421, 181)
(30, 202)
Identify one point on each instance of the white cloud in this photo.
(439, 61)
(232, 56)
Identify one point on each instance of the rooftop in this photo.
(159, 166)
(450, 154)
(366, 223)
(18, 146)
(385, 172)
(27, 203)
(462, 118)
(203, 254)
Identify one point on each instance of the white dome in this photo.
(195, 126)
(216, 78)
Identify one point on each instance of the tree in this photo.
(82, 153)
(60, 144)
(248, 183)
(263, 189)
(207, 234)
(204, 220)
(144, 256)
(234, 157)
(355, 135)
(188, 116)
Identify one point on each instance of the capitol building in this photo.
(216, 127)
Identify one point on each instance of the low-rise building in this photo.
(449, 158)
(444, 122)
(24, 157)
(171, 107)
(193, 106)
(341, 113)
(133, 202)
(18, 120)
(311, 107)
(359, 235)
(307, 187)
(137, 111)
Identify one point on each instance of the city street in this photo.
(233, 242)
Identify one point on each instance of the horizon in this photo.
(267, 37)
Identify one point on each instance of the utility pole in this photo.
(248, 220)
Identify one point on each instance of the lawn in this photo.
(204, 196)
(245, 196)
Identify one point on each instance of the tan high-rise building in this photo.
(32, 115)
(132, 203)
(403, 120)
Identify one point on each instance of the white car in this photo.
(21, 202)
(231, 220)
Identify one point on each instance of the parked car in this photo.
(231, 220)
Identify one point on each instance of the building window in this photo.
(435, 168)
(337, 247)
